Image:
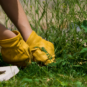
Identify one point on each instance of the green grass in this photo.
(61, 22)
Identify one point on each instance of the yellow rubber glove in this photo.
(15, 51)
(42, 50)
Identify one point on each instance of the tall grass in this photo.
(58, 21)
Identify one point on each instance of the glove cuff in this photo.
(12, 41)
(33, 39)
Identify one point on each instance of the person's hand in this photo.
(15, 51)
(42, 50)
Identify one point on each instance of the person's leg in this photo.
(5, 33)
(16, 13)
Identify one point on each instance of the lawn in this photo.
(64, 23)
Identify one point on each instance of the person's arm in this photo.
(17, 15)
(5, 33)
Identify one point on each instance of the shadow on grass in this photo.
(2, 63)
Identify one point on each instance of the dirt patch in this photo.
(2, 16)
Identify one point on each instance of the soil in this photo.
(2, 19)
(2, 16)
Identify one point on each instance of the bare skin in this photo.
(16, 13)
(5, 33)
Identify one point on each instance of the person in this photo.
(23, 46)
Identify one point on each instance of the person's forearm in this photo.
(15, 12)
(11, 7)
(5, 33)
